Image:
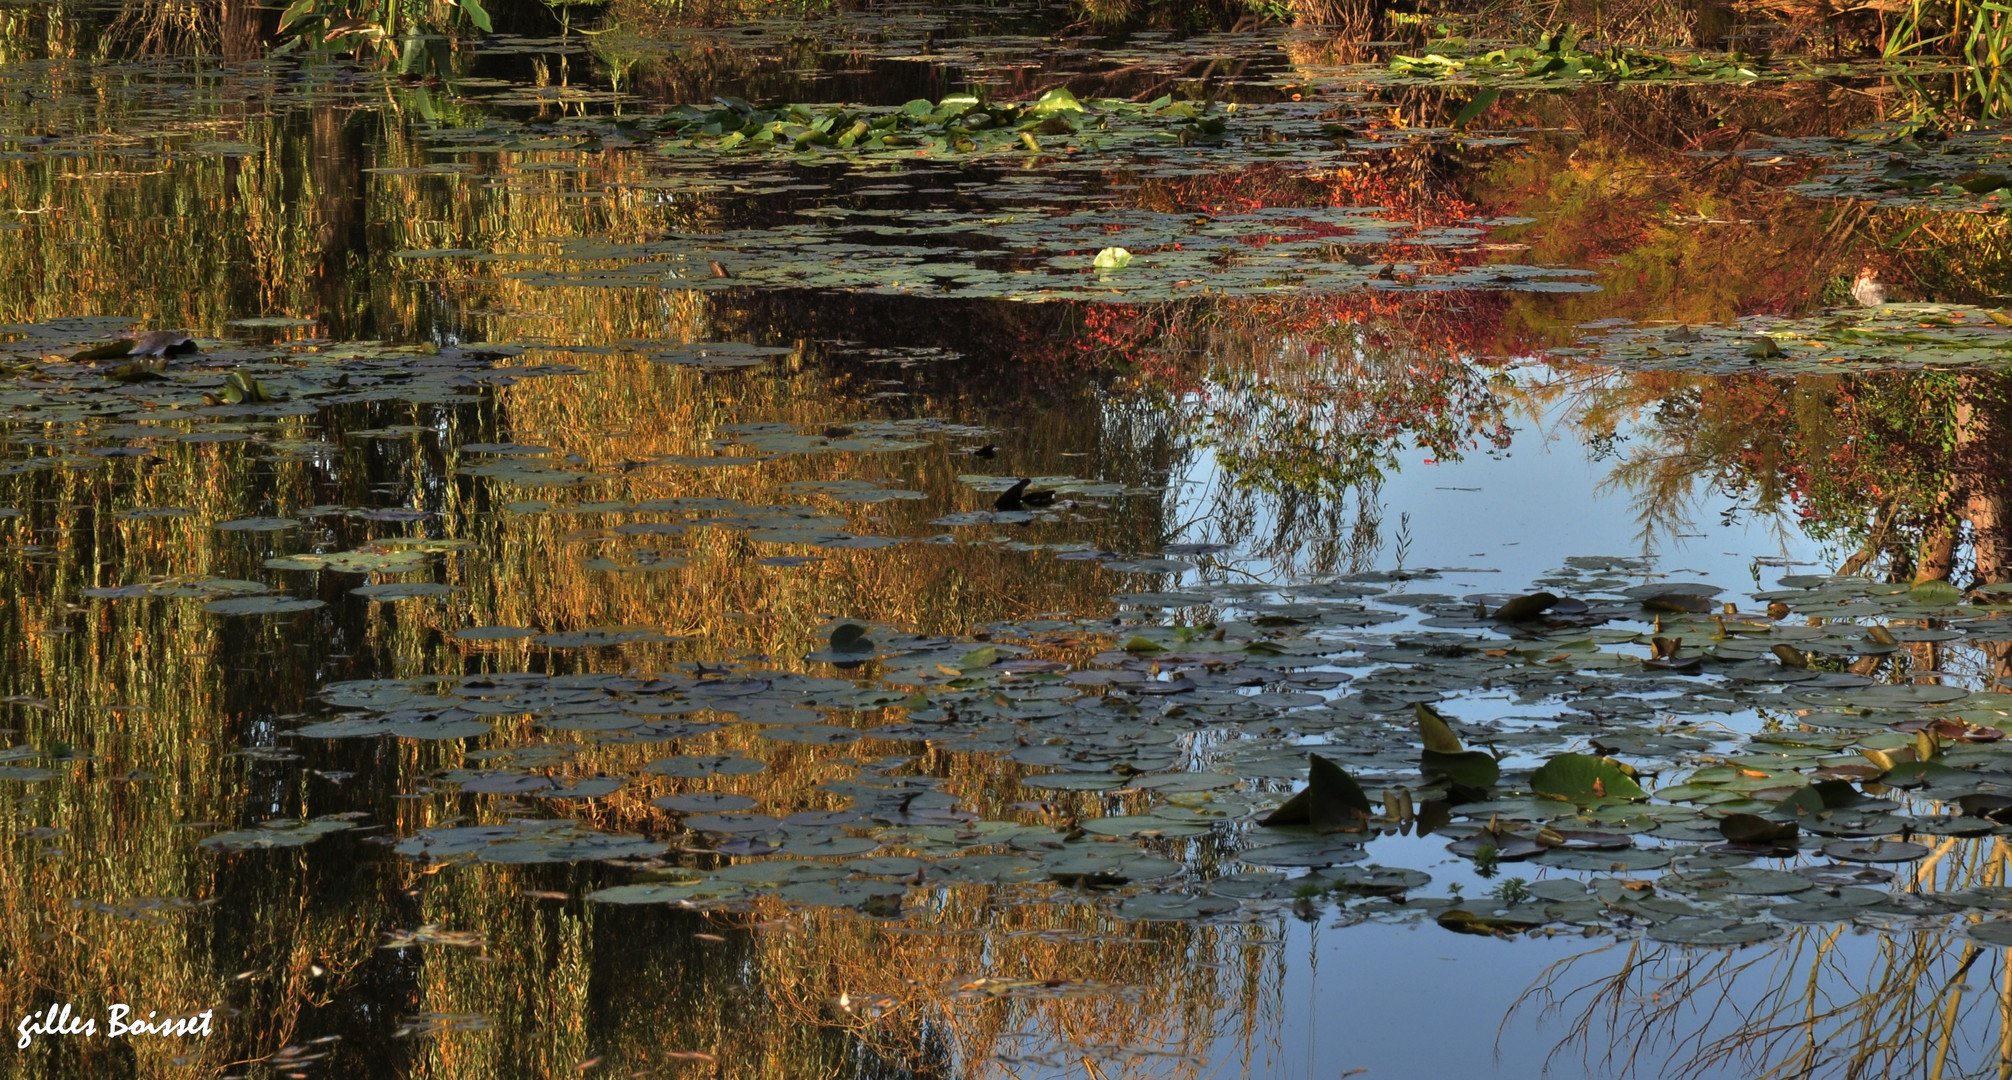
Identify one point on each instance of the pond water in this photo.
(1211, 555)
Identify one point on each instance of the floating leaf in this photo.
(1475, 106)
(1585, 780)
(1525, 608)
(1439, 736)
(1756, 830)
(850, 638)
(1332, 801)
(278, 833)
(262, 605)
(1445, 757)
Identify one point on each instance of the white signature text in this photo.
(63, 1020)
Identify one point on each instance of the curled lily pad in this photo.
(1525, 608)
(1585, 780)
(850, 638)
(1822, 796)
(1332, 801)
(1496, 843)
(1445, 757)
(1756, 830)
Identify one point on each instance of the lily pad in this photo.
(1585, 780)
(1332, 801)
(262, 605)
(278, 833)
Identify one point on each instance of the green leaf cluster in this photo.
(1557, 56)
(959, 124)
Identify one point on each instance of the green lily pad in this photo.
(1332, 801)
(1585, 780)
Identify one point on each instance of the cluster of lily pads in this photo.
(960, 124)
(1047, 254)
(1041, 227)
(1664, 761)
(1898, 165)
(1557, 56)
(65, 370)
(1887, 337)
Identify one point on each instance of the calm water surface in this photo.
(605, 496)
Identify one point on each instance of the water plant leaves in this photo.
(1444, 756)
(1585, 780)
(1525, 608)
(1756, 830)
(1332, 801)
(543, 841)
(262, 605)
(277, 833)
